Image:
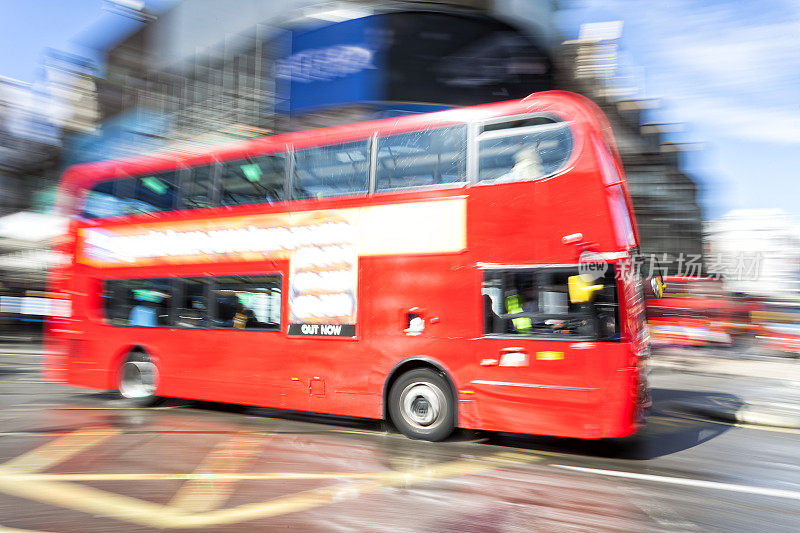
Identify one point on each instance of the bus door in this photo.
(540, 357)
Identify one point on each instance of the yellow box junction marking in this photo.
(230, 456)
(198, 492)
(58, 450)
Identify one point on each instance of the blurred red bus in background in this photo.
(697, 311)
(777, 327)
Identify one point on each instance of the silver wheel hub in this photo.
(139, 379)
(421, 405)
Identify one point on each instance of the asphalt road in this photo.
(74, 460)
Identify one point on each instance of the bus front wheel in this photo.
(421, 405)
(138, 380)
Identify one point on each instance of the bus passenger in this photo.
(527, 165)
(143, 314)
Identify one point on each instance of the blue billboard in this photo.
(338, 64)
(405, 62)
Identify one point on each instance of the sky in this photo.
(29, 27)
(82, 27)
(728, 71)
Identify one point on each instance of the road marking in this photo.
(99, 502)
(662, 514)
(360, 432)
(143, 432)
(229, 457)
(212, 476)
(14, 530)
(93, 501)
(762, 491)
(58, 450)
(336, 493)
(774, 429)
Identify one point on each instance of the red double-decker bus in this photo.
(442, 270)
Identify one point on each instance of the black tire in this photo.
(137, 380)
(421, 405)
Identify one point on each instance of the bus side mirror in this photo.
(581, 289)
(658, 286)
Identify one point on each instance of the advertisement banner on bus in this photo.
(322, 248)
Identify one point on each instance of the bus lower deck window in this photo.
(536, 302)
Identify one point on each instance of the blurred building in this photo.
(34, 118)
(28, 145)
(203, 73)
(664, 197)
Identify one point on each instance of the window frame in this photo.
(476, 129)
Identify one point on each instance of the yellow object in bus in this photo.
(514, 306)
(580, 289)
(658, 286)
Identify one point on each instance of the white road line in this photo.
(762, 491)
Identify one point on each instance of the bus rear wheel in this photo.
(138, 380)
(421, 405)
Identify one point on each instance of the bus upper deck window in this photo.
(198, 189)
(125, 195)
(421, 158)
(525, 153)
(133, 195)
(333, 170)
(154, 193)
(253, 180)
(102, 202)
